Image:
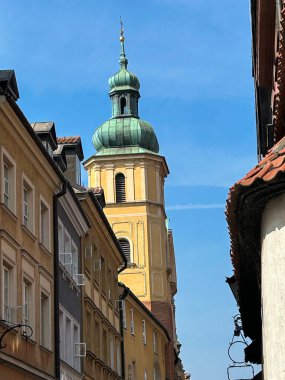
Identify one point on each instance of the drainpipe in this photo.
(122, 297)
(56, 281)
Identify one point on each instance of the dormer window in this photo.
(120, 188)
(48, 147)
(123, 106)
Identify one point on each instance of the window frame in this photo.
(7, 161)
(45, 241)
(120, 193)
(27, 184)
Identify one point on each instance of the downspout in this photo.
(56, 281)
(122, 297)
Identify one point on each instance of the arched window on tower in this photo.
(120, 188)
(125, 245)
(123, 105)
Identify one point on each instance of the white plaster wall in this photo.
(273, 288)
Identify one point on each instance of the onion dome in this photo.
(128, 132)
(125, 132)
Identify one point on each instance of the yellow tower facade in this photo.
(127, 165)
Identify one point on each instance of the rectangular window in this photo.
(76, 339)
(97, 338)
(154, 343)
(6, 185)
(28, 206)
(103, 275)
(68, 341)
(27, 303)
(112, 361)
(105, 347)
(118, 357)
(6, 294)
(132, 323)
(143, 331)
(45, 320)
(8, 182)
(61, 334)
(44, 225)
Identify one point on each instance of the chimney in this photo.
(71, 148)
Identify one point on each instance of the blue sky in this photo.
(193, 59)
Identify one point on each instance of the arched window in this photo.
(120, 188)
(125, 245)
(123, 104)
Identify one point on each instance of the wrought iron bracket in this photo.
(10, 326)
(237, 364)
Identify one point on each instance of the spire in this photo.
(123, 59)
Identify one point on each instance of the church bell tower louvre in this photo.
(127, 165)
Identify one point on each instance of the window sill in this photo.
(46, 349)
(46, 250)
(29, 232)
(9, 211)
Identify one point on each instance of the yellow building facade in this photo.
(29, 182)
(128, 167)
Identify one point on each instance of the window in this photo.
(68, 340)
(61, 333)
(68, 251)
(27, 303)
(111, 341)
(118, 357)
(154, 343)
(125, 245)
(76, 339)
(10, 309)
(45, 320)
(120, 188)
(144, 331)
(9, 182)
(132, 323)
(6, 293)
(28, 206)
(44, 225)
(123, 106)
(105, 348)
(103, 275)
(97, 338)
(145, 374)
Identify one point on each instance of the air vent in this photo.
(120, 188)
(125, 245)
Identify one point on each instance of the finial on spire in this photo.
(123, 59)
(122, 38)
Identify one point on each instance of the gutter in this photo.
(56, 281)
(125, 293)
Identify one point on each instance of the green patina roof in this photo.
(124, 134)
(124, 80)
(127, 132)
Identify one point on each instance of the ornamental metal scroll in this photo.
(238, 339)
(9, 326)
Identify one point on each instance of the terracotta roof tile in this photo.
(68, 139)
(265, 171)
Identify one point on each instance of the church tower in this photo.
(128, 167)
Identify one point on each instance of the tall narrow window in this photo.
(125, 245)
(123, 105)
(28, 206)
(120, 188)
(76, 339)
(8, 182)
(6, 294)
(27, 303)
(6, 185)
(118, 357)
(154, 343)
(143, 331)
(111, 341)
(132, 322)
(45, 320)
(44, 225)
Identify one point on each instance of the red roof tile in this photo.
(68, 139)
(265, 171)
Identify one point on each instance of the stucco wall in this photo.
(273, 288)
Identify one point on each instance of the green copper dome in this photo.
(123, 133)
(124, 80)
